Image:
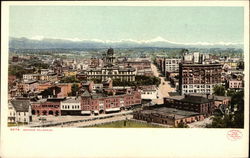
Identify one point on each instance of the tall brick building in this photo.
(199, 104)
(199, 78)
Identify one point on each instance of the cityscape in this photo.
(101, 83)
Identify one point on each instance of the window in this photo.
(24, 119)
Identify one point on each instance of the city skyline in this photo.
(185, 25)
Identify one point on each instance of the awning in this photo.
(96, 111)
(85, 112)
(113, 109)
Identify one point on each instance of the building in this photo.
(199, 78)
(199, 104)
(149, 92)
(172, 64)
(71, 106)
(19, 111)
(28, 86)
(50, 106)
(168, 116)
(99, 103)
(109, 70)
(235, 84)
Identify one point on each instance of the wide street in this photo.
(163, 88)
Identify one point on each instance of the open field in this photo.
(126, 124)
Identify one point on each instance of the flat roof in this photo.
(172, 112)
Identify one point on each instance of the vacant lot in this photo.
(127, 124)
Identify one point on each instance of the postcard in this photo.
(125, 79)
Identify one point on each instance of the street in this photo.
(163, 88)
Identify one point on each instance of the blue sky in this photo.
(179, 24)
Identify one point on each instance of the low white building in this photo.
(19, 111)
(149, 92)
(71, 106)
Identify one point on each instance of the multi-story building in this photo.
(167, 116)
(235, 84)
(111, 71)
(199, 78)
(99, 103)
(172, 64)
(71, 106)
(50, 106)
(199, 104)
(19, 111)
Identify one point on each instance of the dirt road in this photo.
(164, 87)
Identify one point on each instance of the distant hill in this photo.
(49, 43)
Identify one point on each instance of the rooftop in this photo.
(72, 100)
(171, 112)
(21, 105)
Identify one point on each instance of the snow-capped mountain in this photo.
(67, 43)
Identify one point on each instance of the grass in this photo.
(128, 124)
(14, 124)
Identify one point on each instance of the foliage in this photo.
(74, 89)
(50, 91)
(96, 80)
(118, 82)
(12, 124)
(18, 71)
(69, 79)
(240, 65)
(233, 120)
(222, 122)
(230, 92)
(139, 81)
(147, 80)
(238, 99)
(182, 125)
(39, 65)
(219, 90)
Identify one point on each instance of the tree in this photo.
(69, 79)
(96, 80)
(182, 125)
(219, 90)
(232, 120)
(18, 71)
(52, 91)
(74, 89)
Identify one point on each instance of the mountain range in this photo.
(66, 43)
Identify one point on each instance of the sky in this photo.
(178, 24)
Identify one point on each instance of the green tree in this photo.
(74, 89)
(219, 90)
(18, 71)
(233, 120)
(182, 125)
(69, 79)
(96, 80)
